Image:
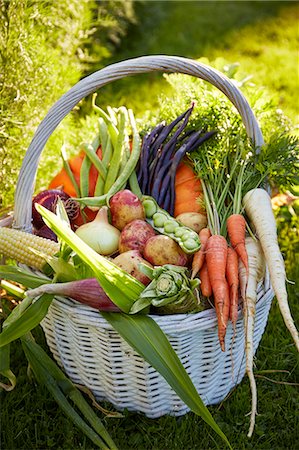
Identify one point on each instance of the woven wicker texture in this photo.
(90, 351)
(94, 355)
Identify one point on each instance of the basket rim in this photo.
(143, 64)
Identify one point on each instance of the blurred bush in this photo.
(45, 48)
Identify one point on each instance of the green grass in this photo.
(263, 38)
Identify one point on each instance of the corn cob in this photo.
(21, 247)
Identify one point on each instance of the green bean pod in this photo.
(93, 157)
(107, 154)
(122, 179)
(69, 172)
(164, 223)
(112, 129)
(117, 155)
(86, 165)
(103, 132)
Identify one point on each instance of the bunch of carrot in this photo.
(231, 264)
(217, 263)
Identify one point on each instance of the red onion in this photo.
(46, 232)
(48, 199)
(87, 291)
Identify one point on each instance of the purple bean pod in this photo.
(145, 155)
(193, 143)
(169, 148)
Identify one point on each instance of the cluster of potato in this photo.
(139, 242)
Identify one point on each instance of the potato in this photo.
(160, 250)
(124, 208)
(134, 236)
(193, 220)
(129, 261)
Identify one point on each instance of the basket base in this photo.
(93, 354)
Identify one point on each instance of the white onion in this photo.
(99, 234)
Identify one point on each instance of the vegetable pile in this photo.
(167, 221)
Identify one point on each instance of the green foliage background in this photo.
(45, 48)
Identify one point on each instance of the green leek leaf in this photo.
(48, 374)
(17, 312)
(146, 337)
(26, 320)
(48, 371)
(5, 369)
(22, 276)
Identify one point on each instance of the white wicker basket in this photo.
(88, 348)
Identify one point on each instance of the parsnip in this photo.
(257, 203)
(248, 284)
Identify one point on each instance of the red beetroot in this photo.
(46, 232)
(48, 199)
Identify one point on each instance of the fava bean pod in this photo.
(164, 223)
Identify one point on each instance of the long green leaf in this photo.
(5, 369)
(45, 377)
(49, 370)
(26, 321)
(122, 288)
(146, 337)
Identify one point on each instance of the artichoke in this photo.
(170, 291)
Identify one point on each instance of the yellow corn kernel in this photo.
(20, 246)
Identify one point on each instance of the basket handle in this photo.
(143, 64)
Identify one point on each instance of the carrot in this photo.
(232, 277)
(184, 173)
(188, 192)
(216, 258)
(257, 203)
(205, 284)
(199, 257)
(63, 180)
(256, 271)
(236, 228)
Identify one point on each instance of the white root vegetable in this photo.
(248, 284)
(257, 203)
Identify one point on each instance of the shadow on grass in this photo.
(192, 29)
(189, 28)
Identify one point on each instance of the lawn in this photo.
(263, 38)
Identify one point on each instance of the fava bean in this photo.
(165, 224)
